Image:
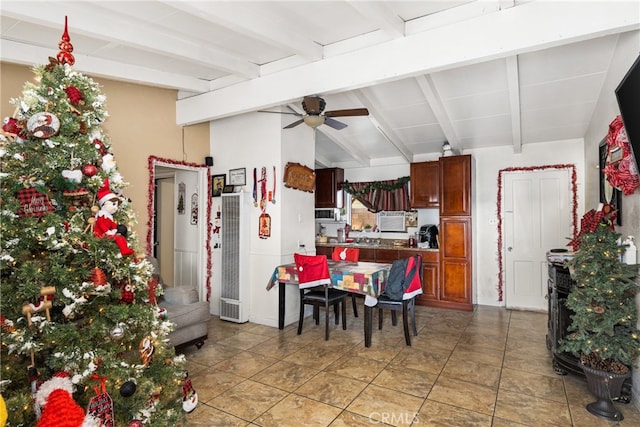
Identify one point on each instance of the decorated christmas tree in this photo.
(82, 336)
(603, 330)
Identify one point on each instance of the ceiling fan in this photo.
(314, 107)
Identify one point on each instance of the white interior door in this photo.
(537, 212)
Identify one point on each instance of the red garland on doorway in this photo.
(150, 167)
(574, 189)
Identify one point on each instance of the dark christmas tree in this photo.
(76, 302)
(603, 330)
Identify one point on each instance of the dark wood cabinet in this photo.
(425, 185)
(328, 193)
(324, 250)
(455, 185)
(430, 283)
(456, 268)
(367, 255)
(455, 263)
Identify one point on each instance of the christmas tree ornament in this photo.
(89, 170)
(72, 175)
(43, 125)
(135, 423)
(117, 333)
(33, 203)
(64, 55)
(101, 405)
(105, 225)
(127, 296)
(189, 395)
(128, 388)
(97, 277)
(146, 349)
(74, 95)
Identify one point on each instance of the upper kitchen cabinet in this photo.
(328, 192)
(425, 185)
(455, 185)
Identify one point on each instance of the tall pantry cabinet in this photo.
(455, 233)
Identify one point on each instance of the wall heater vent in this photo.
(234, 292)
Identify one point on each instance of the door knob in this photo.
(509, 248)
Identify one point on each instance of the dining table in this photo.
(363, 278)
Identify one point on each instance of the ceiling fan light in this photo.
(313, 121)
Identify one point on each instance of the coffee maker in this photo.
(428, 234)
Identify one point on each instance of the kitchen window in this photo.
(359, 216)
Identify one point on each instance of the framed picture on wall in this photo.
(238, 176)
(609, 194)
(217, 184)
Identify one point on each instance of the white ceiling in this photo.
(475, 73)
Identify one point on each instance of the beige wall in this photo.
(141, 123)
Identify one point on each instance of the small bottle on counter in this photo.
(412, 240)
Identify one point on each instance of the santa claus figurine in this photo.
(105, 225)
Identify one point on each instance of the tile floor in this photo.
(486, 368)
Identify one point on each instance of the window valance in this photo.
(376, 196)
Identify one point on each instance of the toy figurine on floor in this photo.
(105, 225)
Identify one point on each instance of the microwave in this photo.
(326, 213)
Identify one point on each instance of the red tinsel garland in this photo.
(150, 202)
(574, 188)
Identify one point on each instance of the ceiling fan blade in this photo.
(334, 123)
(280, 112)
(346, 113)
(294, 124)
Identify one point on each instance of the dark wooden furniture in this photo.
(425, 185)
(406, 306)
(559, 319)
(328, 193)
(455, 234)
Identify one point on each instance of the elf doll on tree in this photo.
(105, 225)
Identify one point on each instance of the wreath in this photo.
(620, 172)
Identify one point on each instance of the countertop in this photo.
(382, 245)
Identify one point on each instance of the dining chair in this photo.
(406, 277)
(350, 255)
(315, 290)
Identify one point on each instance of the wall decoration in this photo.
(609, 195)
(619, 168)
(181, 194)
(217, 184)
(299, 177)
(238, 176)
(194, 209)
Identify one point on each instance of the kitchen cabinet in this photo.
(456, 287)
(425, 184)
(455, 185)
(324, 250)
(367, 255)
(455, 263)
(328, 193)
(430, 282)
